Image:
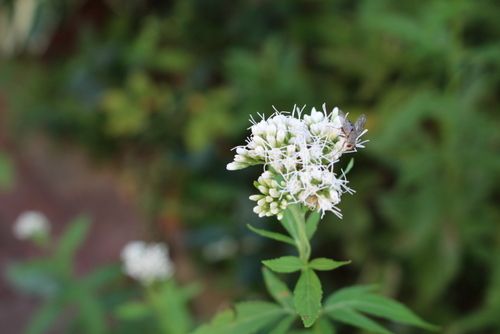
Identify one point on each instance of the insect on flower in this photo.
(352, 132)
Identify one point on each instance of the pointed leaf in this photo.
(35, 277)
(272, 235)
(383, 307)
(349, 293)
(284, 264)
(90, 311)
(307, 297)
(284, 325)
(45, 316)
(102, 276)
(325, 264)
(248, 318)
(278, 289)
(223, 317)
(362, 299)
(356, 319)
(132, 311)
(323, 326)
(349, 166)
(72, 238)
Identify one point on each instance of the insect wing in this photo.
(359, 126)
(347, 126)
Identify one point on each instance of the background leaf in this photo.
(347, 305)
(278, 289)
(249, 317)
(132, 311)
(71, 239)
(6, 172)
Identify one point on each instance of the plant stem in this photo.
(154, 299)
(300, 235)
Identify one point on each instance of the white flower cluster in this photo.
(147, 263)
(299, 152)
(31, 224)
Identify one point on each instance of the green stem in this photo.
(300, 235)
(154, 299)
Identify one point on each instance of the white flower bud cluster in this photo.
(271, 200)
(298, 152)
(30, 225)
(147, 263)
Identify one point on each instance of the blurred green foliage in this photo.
(52, 278)
(6, 172)
(99, 301)
(165, 89)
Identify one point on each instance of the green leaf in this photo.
(383, 307)
(72, 238)
(272, 235)
(90, 312)
(323, 326)
(278, 289)
(284, 325)
(356, 319)
(307, 297)
(191, 290)
(132, 311)
(362, 299)
(326, 264)
(35, 277)
(102, 276)
(224, 317)
(352, 292)
(349, 166)
(44, 317)
(170, 305)
(248, 318)
(284, 264)
(312, 223)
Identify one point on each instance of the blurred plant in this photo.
(32, 225)
(299, 152)
(84, 304)
(52, 278)
(6, 172)
(164, 302)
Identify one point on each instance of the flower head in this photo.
(147, 263)
(30, 225)
(299, 152)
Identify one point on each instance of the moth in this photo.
(352, 131)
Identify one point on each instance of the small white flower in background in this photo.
(147, 262)
(30, 225)
(299, 152)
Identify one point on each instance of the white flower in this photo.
(299, 153)
(147, 263)
(31, 224)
